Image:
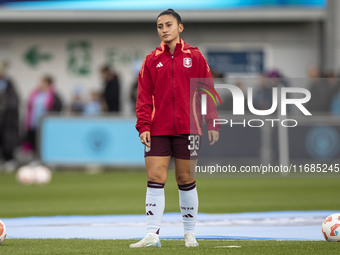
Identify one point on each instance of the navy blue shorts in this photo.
(182, 146)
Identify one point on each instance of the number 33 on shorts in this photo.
(194, 145)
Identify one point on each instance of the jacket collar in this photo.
(180, 47)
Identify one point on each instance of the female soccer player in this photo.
(163, 123)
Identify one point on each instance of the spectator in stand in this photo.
(111, 91)
(320, 90)
(94, 106)
(277, 78)
(9, 119)
(263, 96)
(77, 104)
(42, 101)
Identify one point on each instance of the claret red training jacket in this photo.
(165, 103)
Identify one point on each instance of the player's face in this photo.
(168, 28)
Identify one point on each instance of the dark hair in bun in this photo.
(173, 13)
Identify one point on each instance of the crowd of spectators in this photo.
(16, 132)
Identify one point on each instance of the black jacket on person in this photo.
(9, 118)
(111, 94)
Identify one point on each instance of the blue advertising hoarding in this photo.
(80, 141)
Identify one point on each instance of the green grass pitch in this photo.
(123, 192)
(79, 246)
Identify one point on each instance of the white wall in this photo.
(290, 47)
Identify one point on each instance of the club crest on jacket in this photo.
(187, 62)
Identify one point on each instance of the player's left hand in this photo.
(213, 136)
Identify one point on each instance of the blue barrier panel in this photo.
(79, 141)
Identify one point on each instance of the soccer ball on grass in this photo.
(3, 232)
(331, 228)
(38, 175)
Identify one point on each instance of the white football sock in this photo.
(154, 206)
(188, 202)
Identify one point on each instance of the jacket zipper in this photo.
(173, 97)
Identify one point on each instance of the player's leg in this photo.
(157, 160)
(155, 201)
(188, 199)
(157, 168)
(185, 177)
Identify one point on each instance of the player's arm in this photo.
(213, 130)
(144, 105)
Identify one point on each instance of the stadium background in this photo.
(71, 41)
(123, 37)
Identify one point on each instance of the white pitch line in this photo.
(228, 246)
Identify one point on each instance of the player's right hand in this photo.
(145, 138)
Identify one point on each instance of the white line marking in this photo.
(228, 246)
